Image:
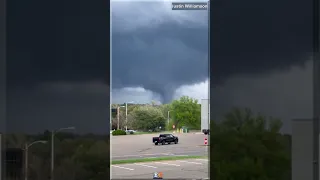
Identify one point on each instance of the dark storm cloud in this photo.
(249, 37)
(56, 63)
(284, 94)
(159, 55)
(161, 59)
(256, 37)
(51, 106)
(44, 42)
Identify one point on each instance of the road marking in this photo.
(139, 155)
(123, 167)
(202, 159)
(145, 165)
(190, 162)
(126, 156)
(154, 154)
(167, 164)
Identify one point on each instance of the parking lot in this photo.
(141, 146)
(188, 168)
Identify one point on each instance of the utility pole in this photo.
(168, 117)
(126, 116)
(26, 162)
(52, 156)
(118, 118)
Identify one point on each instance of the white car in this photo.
(131, 131)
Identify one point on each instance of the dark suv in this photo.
(165, 138)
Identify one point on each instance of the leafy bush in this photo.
(118, 132)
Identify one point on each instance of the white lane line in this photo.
(167, 164)
(123, 167)
(135, 155)
(202, 159)
(127, 156)
(169, 154)
(190, 162)
(145, 165)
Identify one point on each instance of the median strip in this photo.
(130, 161)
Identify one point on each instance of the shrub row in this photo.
(118, 132)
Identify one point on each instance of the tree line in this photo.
(151, 117)
(244, 145)
(248, 146)
(77, 157)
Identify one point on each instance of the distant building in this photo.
(302, 149)
(205, 115)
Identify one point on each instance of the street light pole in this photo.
(52, 155)
(118, 118)
(52, 148)
(126, 106)
(126, 116)
(26, 158)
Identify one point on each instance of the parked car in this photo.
(165, 138)
(131, 131)
(206, 131)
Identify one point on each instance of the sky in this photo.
(57, 65)
(156, 49)
(261, 55)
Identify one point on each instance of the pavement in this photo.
(141, 146)
(178, 169)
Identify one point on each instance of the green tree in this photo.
(164, 109)
(147, 118)
(249, 147)
(122, 118)
(186, 112)
(94, 160)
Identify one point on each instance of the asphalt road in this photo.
(141, 146)
(179, 169)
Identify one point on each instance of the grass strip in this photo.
(139, 132)
(168, 158)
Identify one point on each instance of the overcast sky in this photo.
(260, 55)
(157, 49)
(56, 68)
